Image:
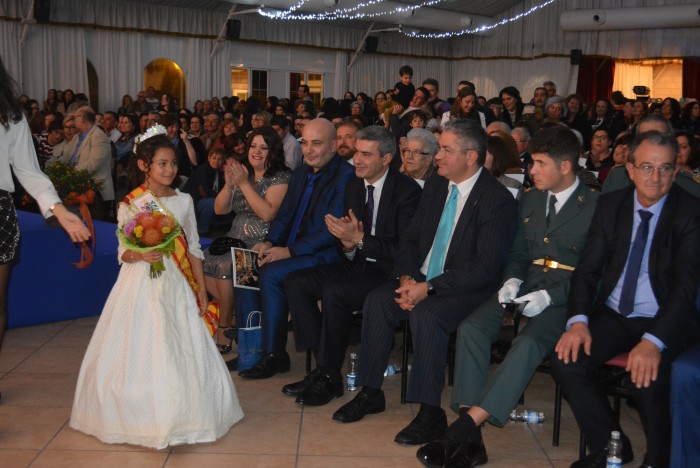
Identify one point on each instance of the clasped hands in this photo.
(410, 292)
(347, 229)
(536, 301)
(642, 362)
(268, 254)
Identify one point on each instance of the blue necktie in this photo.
(369, 211)
(442, 236)
(301, 208)
(634, 264)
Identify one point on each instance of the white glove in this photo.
(509, 290)
(537, 301)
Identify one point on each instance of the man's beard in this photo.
(346, 155)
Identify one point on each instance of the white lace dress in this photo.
(152, 375)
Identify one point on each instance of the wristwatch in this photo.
(361, 243)
(431, 288)
(53, 207)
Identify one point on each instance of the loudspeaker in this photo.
(371, 43)
(233, 29)
(42, 11)
(576, 56)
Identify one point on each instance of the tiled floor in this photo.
(39, 368)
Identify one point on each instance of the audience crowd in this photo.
(405, 205)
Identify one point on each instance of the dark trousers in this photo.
(685, 409)
(432, 321)
(341, 290)
(274, 304)
(614, 334)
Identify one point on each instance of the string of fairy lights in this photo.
(355, 13)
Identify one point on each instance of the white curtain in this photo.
(490, 76)
(628, 76)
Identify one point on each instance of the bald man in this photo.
(298, 237)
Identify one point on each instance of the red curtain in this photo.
(691, 77)
(595, 78)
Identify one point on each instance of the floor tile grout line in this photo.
(40, 347)
(537, 441)
(301, 426)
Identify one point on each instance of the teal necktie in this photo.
(442, 236)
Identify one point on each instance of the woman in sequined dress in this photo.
(254, 191)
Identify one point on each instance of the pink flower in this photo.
(129, 227)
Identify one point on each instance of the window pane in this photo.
(239, 83)
(259, 88)
(295, 79)
(316, 88)
(167, 78)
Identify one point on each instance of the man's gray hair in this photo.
(470, 134)
(427, 140)
(380, 134)
(522, 131)
(89, 113)
(555, 100)
(656, 118)
(657, 139)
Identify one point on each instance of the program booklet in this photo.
(246, 272)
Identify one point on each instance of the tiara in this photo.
(151, 132)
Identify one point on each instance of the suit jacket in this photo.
(328, 197)
(480, 243)
(95, 154)
(562, 241)
(674, 261)
(398, 203)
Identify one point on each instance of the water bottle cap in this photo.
(353, 355)
(615, 434)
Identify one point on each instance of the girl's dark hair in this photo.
(145, 152)
(10, 110)
(275, 157)
(687, 111)
(504, 151)
(456, 110)
(134, 122)
(675, 108)
(693, 161)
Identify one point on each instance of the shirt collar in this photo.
(565, 194)
(466, 186)
(378, 184)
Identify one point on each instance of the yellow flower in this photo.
(138, 231)
(165, 230)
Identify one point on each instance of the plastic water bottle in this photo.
(350, 379)
(614, 451)
(527, 416)
(392, 369)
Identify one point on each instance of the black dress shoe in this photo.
(232, 365)
(429, 424)
(322, 390)
(231, 333)
(360, 406)
(296, 388)
(468, 455)
(599, 459)
(269, 365)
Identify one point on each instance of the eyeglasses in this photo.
(69, 127)
(78, 116)
(413, 153)
(600, 137)
(451, 151)
(665, 170)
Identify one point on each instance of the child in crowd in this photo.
(401, 94)
(204, 186)
(152, 375)
(418, 118)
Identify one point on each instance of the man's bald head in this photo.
(318, 143)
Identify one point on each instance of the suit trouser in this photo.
(342, 290)
(474, 339)
(685, 409)
(274, 304)
(432, 321)
(614, 334)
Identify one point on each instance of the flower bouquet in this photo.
(151, 229)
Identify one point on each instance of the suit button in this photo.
(546, 240)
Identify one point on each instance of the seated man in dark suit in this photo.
(298, 237)
(633, 291)
(552, 229)
(450, 261)
(385, 201)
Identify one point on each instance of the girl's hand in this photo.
(203, 301)
(152, 257)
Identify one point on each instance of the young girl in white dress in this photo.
(152, 374)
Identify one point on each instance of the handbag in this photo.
(250, 341)
(223, 245)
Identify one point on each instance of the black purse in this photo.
(222, 245)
